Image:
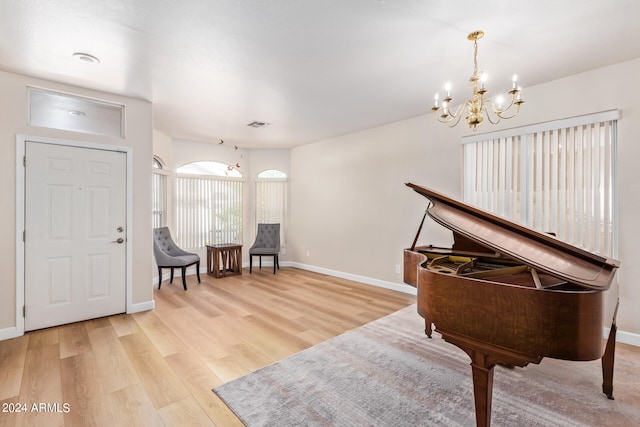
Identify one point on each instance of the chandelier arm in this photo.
(456, 121)
(488, 111)
(458, 111)
(502, 116)
(446, 118)
(450, 120)
(442, 118)
(498, 111)
(458, 114)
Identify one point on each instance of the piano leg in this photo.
(607, 363)
(482, 371)
(428, 327)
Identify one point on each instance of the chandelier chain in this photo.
(475, 58)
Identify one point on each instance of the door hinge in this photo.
(24, 235)
(24, 311)
(24, 161)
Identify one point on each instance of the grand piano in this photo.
(510, 295)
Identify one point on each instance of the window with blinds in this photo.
(159, 195)
(271, 200)
(557, 177)
(208, 210)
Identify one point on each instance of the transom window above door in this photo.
(56, 110)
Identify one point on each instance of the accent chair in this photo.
(169, 255)
(267, 244)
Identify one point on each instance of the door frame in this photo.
(21, 143)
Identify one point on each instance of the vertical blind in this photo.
(158, 200)
(271, 203)
(208, 210)
(557, 177)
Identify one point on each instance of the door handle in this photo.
(118, 240)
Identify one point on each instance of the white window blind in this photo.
(271, 203)
(159, 194)
(159, 200)
(557, 177)
(208, 210)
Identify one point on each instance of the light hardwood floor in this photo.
(157, 368)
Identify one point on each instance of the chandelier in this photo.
(477, 105)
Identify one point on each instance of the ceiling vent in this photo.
(256, 124)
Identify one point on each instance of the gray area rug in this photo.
(388, 373)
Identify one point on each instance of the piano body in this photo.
(507, 294)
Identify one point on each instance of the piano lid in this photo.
(541, 251)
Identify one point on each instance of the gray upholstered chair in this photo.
(267, 244)
(169, 255)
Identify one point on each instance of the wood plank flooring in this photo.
(157, 368)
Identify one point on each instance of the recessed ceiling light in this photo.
(76, 113)
(85, 57)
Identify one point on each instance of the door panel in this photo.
(75, 211)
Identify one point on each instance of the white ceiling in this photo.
(312, 68)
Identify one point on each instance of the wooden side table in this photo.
(224, 259)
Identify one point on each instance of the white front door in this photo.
(75, 232)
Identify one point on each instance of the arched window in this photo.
(209, 168)
(271, 200)
(159, 194)
(208, 204)
(272, 173)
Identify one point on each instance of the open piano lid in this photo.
(541, 251)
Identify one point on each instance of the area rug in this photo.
(388, 373)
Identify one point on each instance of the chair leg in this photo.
(260, 256)
(198, 271)
(250, 263)
(275, 262)
(159, 277)
(171, 280)
(278, 261)
(184, 278)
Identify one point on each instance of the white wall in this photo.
(351, 212)
(13, 121)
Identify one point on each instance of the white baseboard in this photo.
(628, 338)
(141, 306)
(407, 289)
(8, 333)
